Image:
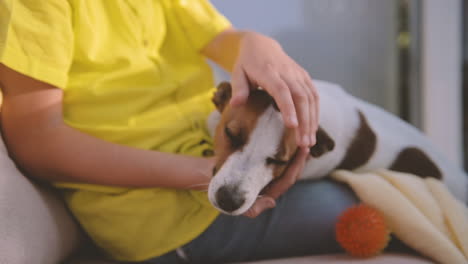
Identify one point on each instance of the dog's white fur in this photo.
(340, 119)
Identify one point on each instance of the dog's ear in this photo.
(324, 144)
(222, 95)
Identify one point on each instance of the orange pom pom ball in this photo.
(362, 231)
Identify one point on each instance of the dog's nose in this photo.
(229, 198)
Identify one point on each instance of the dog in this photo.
(253, 147)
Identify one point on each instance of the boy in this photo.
(107, 100)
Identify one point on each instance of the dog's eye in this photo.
(273, 161)
(236, 141)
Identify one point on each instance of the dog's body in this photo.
(353, 135)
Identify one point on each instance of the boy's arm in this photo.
(224, 48)
(45, 147)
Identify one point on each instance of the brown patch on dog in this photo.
(222, 95)
(415, 161)
(236, 123)
(287, 150)
(324, 144)
(361, 148)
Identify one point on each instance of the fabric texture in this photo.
(132, 74)
(36, 39)
(420, 212)
(35, 226)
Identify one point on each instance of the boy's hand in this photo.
(262, 62)
(277, 188)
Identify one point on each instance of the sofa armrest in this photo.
(35, 226)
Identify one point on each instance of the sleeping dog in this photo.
(253, 147)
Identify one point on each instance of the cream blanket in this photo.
(420, 212)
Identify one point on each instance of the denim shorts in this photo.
(302, 223)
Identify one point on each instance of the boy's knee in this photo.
(326, 198)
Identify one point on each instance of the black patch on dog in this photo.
(415, 161)
(362, 146)
(324, 144)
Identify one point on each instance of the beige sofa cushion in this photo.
(35, 227)
(387, 258)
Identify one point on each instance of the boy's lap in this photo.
(301, 224)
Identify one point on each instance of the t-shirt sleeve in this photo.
(36, 39)
(200, 20)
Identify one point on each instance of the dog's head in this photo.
(252, 148)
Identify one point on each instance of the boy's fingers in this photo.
(302, 106)
(261, 204)
(240, 87)
(292, 173)
(316, 106)
(280, 92)
(276, 189)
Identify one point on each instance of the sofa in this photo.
(37, 228)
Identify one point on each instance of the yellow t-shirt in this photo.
(132, 74)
